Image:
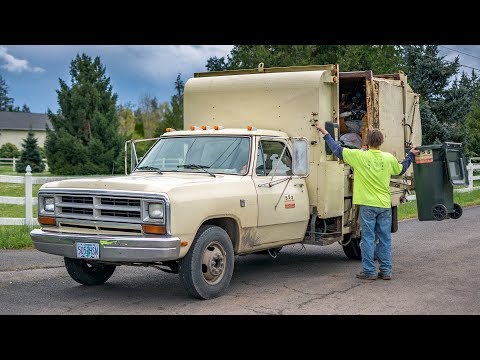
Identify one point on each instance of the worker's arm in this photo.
(408, 160)
(336, 149)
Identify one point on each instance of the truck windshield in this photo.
(217, 154)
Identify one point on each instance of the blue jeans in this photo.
(376, 223)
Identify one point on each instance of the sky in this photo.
(32, 71)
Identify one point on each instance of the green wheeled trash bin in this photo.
(436, 169)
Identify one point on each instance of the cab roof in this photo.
(226, 132)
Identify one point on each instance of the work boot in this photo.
(384, 276)
(364, 276)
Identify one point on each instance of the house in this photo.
(14, 127)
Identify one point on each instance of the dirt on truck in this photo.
(247, 174)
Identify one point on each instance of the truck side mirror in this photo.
(300, 161)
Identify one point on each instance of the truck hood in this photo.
(149, 182)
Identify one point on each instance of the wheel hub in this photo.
(213, 263)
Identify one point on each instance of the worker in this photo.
(371, 190)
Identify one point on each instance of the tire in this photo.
(439, 212)
(352, 249)
(207, 269)
(87, 273)
(457, 211)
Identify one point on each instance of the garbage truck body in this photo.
(249, 173)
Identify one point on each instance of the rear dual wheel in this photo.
(351, 247)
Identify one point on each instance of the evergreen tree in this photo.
(473, 127)
(30, 155)
(6, 102)
(433, 131)
(86, 138)
(444, 103)
(25, 108)
(174, 113)
(378, 58)
(428, 73)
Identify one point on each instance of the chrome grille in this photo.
(120, 202)
(120, 213)
(70, 210)
(77, 199)
(99, 207)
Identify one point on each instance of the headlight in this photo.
(49, 204)
(155, 211)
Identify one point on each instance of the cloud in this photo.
(161, 61)
(16, 65)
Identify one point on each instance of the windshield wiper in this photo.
(195, 166)
(149, 168)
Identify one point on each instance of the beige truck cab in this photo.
(248, 173)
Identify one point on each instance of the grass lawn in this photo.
(8, 170)
(15, 237)
(9, 189)
(409, 209)
(15, 211)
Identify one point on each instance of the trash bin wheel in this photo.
(439, 212)
(457, 211)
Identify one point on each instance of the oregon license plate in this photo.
(88, 250)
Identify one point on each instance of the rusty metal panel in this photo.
(391, 117)
(356, 74)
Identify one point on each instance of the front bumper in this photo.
(112, 248)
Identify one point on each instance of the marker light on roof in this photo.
(193, 127)
(250, 128)
(206, 127)
(217, 127)
(170, 129)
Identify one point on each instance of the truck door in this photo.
(283, 207)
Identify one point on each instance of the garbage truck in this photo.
(248, 174)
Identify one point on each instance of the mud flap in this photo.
(394, 227)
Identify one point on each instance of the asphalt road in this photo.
(436, 271)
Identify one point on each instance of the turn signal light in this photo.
(45, 220)
(154, 229)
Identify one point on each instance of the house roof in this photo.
(23, 121)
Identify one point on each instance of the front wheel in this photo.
(88, 273)
(207, 268)
(351, 247)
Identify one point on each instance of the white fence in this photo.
(28, 200)
(13, 162)
(473, 166)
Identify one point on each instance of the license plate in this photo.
(88, 250)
